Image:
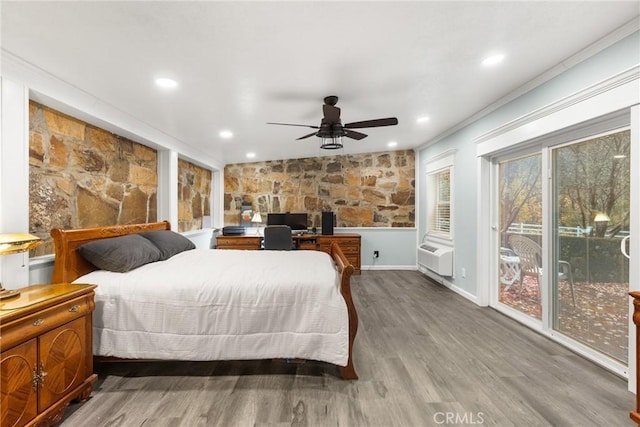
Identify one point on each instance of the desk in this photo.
(349, 243)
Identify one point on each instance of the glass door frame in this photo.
(577, 346)
(533, 323)
(545, 147)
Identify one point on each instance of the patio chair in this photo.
(530, 254)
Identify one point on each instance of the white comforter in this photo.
(223, 305)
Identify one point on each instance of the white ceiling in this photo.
(241, 64)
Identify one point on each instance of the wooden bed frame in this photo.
(69, 265)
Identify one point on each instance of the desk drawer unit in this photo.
(349, 244)
(239, 242)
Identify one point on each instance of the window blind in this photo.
(441, 210)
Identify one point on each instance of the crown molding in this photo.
(606, 85)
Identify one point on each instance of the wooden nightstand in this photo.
(46, 354)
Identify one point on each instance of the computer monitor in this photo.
(297, 221)
(276, 219)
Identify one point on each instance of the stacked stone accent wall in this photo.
(83, 176)
(363, 190)
(194, 189)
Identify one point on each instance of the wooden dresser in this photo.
(349, 243)
(46, 354)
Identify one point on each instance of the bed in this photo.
(208, 304)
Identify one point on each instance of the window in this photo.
(440, 219)
(439, 196)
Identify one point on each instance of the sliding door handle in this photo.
(623, 246)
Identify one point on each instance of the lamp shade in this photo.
(13, 243)
(256, 217)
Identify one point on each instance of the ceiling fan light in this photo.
(331, 143)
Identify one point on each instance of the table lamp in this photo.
(13, 243)
(257, 219)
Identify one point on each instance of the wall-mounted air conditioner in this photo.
(438, 259)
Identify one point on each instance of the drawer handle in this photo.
(38, 322)
(42, 373)
(74, 308)
(36, 379)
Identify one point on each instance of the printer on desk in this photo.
(233, 230)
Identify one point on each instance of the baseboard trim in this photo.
(447, 284)
(388, 267)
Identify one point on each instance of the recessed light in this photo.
(422, 119)
(493, 60)
(226, 134)
(392, 144)
(165, 82)
(251, 155)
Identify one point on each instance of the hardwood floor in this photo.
(425, 357)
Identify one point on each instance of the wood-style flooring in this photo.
(425, 356)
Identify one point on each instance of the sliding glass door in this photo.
(562, 214)
(520, 223)
(590, 219)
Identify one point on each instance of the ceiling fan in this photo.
(331, 129)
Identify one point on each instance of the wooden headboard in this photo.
(69, 265)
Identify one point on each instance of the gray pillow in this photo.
(168, 242)
(120, 254)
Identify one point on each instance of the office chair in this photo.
(278, 237)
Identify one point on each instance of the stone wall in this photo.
(363, 190)
(194, 189)
(83, 176)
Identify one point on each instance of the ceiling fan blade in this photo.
(354, 135)
(389, 121)
(291, 124)
(307, 136)
(331, 113)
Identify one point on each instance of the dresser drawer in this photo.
(349, 250)
(346, 249)
(349, 241)
(36, 324)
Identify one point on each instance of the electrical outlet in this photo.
(376, 254)
(463, 272)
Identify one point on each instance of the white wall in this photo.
(14, 177)
(615, 59)
(396, 247)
